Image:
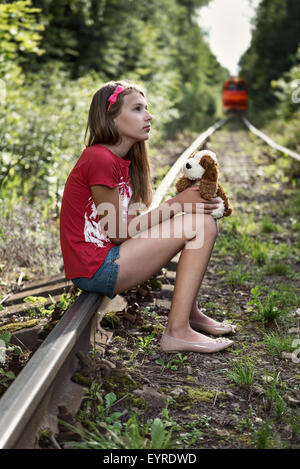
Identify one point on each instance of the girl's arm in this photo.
(118, 229)
(188, 201)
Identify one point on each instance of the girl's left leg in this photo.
(197, 315)
(200, 322)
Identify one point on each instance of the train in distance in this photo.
(235, 95)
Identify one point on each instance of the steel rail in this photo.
(21, 401)
(269, 141)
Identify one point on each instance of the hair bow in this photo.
(113, 97)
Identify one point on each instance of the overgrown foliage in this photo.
(55, 55)
(273, 49)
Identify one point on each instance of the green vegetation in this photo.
(272, 69)
(6, 377)
(105, 428)
(15, 326)
(267, 59)
(53, 57)
(5, 338)
(267, 311)
(242, 373)
(277, 343)
(7, 349)
(173, 363)
(51, 66)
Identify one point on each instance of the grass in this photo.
(265, 310)
(261, 438)
(29, 242)
(274, 392)
(267, 226)
(293, 208)
(277, 267)
(237, 277)
(277, 343)
(259, 253)
(241, 245)
(244, 224)
(174, 363)
(242, 373)
(154, 435)
(104, 428)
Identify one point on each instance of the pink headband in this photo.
(113, 97)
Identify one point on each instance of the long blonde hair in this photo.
(101, 129)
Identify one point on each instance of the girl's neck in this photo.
(120, 150)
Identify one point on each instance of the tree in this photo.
(273, 47)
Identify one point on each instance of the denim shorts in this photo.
(105, 279)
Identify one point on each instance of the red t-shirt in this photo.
(84, 242)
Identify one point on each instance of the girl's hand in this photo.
(191, 201)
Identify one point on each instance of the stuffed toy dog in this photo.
(202, 169)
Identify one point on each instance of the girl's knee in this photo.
(197, 223)
(210, 226)
(192, 224)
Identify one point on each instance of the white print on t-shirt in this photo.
(125, 196)
(93, 231)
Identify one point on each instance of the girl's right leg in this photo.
(142, 257)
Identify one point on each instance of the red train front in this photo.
(235, 95)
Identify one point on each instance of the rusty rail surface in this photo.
(56, 356)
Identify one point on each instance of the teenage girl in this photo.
(107, 248)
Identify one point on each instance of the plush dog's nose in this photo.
(188, 166)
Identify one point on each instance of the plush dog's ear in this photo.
(183, 183)
(211, 168)
(207, 189)
(221, 193)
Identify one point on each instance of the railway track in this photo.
(43, 390)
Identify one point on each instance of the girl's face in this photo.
(133, 122)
